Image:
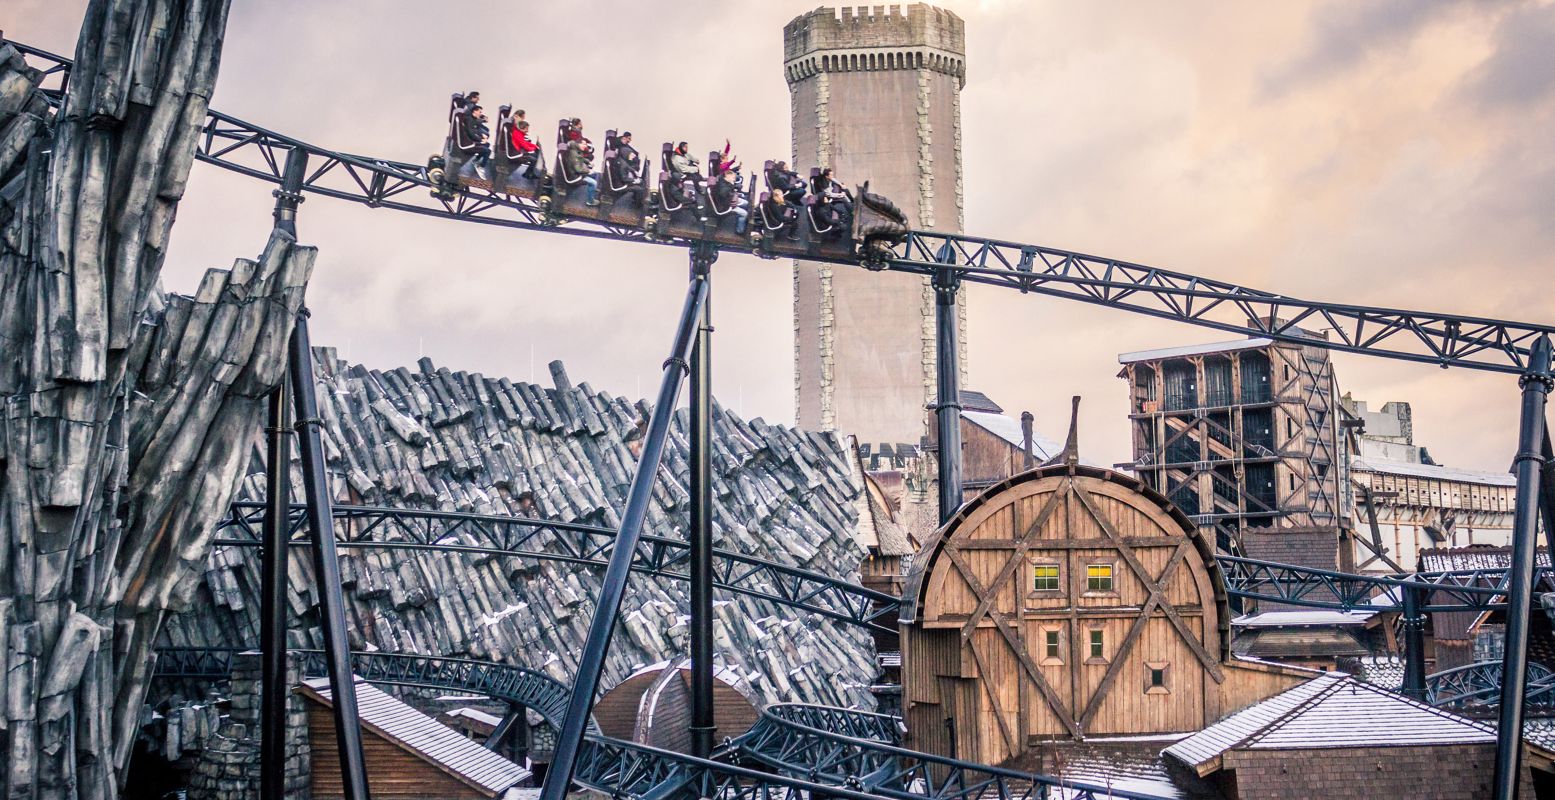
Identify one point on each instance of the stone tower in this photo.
(876, 95)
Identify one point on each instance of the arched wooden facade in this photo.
(653, 707)
(1067, 602)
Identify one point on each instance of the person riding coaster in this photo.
(574, 162)
(463, 146)
(622, 173)
(725, 200)
(679, 177)
(514, 151)
(782, 180)
(776, 217)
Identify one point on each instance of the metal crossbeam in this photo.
(625, 769)
(458, 532)
(1461, 590)
(838, 746)
(1478, 686)
(1434, 338)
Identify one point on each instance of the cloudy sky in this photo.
(1385, 153)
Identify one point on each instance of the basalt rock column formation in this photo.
(127, 414)
(429, 437)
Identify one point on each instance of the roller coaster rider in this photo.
(623, 170)
(782, 180)
(466, 145)
(778, 216)
(835, 201)
(728, 199)
(578, 161)
(684, 166)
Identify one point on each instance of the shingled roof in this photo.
(426, 738)
(1330, 711)
(436, 439)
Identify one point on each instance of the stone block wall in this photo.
(228, 767)
(875, 95)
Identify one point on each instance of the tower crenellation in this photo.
(875, 38)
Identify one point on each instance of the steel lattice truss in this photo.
(451, 531)
(625, 769)
(1433, 338)
(1465, 590)
(834, 746)
(1479, 686)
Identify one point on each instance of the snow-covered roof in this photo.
(1193, 350)
(1332, 710)
(426, 738)
(1390, 467)
(1008, 429)
(1275, 619)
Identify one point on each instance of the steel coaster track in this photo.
(1464, 590)
(627, 769)
(1443, 339)
(458, 532)
(860, 750)
(1478, 686)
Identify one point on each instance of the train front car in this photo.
(878, 226)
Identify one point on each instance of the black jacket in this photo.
(724, 193)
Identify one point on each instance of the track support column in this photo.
(569, 740)
(1413, 622)
(289, 196)
(272, 602)
(1528, 464)
(703, 727)
(276, 531)
(947, 404)
(326, 565)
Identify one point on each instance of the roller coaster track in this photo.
(841, 754)
(481, 534)
(1433, 338)
(1478, 686)
(852, 754)
(1464, 590)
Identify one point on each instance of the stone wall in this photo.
(875, 96)
(228, 767)
(432, 438)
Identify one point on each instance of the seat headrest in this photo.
(815, 172)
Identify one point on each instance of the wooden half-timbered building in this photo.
(1063, 603)
(1240, 435)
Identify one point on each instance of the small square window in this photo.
(1097, 644)
(1098, 578)
(1157, 675)
(1050, 643)
(1044, 578)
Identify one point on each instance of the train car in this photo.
(669, 208)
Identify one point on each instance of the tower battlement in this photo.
(917, 36)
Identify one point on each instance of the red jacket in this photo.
(521, 141)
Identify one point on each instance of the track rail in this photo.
(374, 527)
(1478, 686)
(626, 769)
(861, 750)
(1466, 590)
(1435, 338)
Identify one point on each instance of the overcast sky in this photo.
(1385, 153)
